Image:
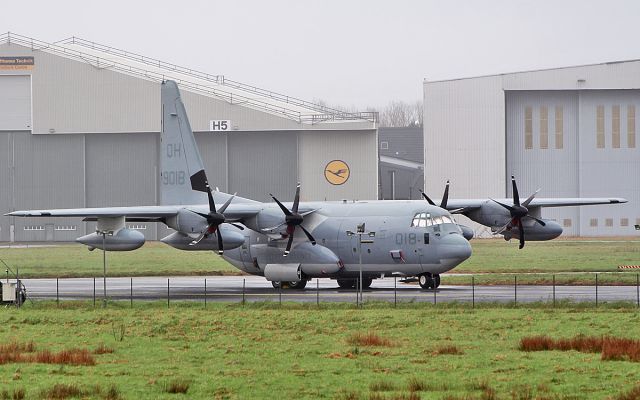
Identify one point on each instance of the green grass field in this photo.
(300, 352)
(489, 256)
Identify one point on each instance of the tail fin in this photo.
(182, 177)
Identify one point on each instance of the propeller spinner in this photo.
(293, 220)
(214, 218)
(519, 211)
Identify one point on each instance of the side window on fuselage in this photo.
(426, 238)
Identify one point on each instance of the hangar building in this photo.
(80, 123)
(572, 132)
(401, 163)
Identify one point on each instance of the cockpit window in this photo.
(423, 220)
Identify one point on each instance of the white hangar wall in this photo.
(569, 131)
(79, 132)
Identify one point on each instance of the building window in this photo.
(600, 127)
(567, 222)
(544, 127)
(624, 221)
(593, 222)
(528, 128)
(34, 228)
(608, 222)
(559, 127)
(138, 227)
(384, 145)
(631, 126)
(66, 228)
(615, 127)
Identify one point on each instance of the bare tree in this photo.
(396, 114)
(401, 114)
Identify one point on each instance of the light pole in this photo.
(360, 231)
(104, 234)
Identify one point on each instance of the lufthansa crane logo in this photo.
(336, 172)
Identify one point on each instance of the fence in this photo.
(470, 289)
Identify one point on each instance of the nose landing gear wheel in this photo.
(426, 281)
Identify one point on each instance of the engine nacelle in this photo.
(466, 232)
(187, 221)
(282, 272)
(536, 232)
(230, 240)
(123, 240)
(314, 261)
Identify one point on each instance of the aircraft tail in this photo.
(182, 177)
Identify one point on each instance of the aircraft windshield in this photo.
(423, 220)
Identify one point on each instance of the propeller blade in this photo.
(521, 229)
(284, 209)
(445, 197)
(220, 247)
(502, 229)
(504, 205)
(288, 249)
(541, 222)
(237, 226)
(273, 227)
(516, 197)
(225, 205)
(309, 236)
(296, 200)
(427, 198)
(212, 204)
(198, 239)
(528, 200)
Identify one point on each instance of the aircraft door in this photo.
(245, 250)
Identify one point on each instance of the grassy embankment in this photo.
(298, 352)
(490, 256)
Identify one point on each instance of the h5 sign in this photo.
(219, 125)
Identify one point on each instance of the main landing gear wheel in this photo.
(428, 281)
(297, 285)
(290, 285)
(425, 281)
(366, 283)
(346, 283)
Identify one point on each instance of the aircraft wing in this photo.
(140, 213)
(135, 212)
(463, 206)
(577, 201)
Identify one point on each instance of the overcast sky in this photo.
(344, 52)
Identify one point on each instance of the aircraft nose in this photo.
(454, 247)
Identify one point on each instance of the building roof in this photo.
(218, 86)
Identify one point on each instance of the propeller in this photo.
(215, 218)
(445, 197)
(293, 219)
(519, 211)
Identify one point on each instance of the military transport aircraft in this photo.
(402, 238)
(516, 220)
(287, 243)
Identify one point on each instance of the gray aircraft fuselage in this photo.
(397, 247)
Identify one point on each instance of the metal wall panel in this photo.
(121, 170)
(261, 163)
(553, 170)
(6, 193)
(213, 149)
(358, 149)
(608, 171)
(48, 173)
(464, 136)
(15, 102)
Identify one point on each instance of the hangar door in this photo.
(15, 102)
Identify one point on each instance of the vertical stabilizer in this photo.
(182, 177)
